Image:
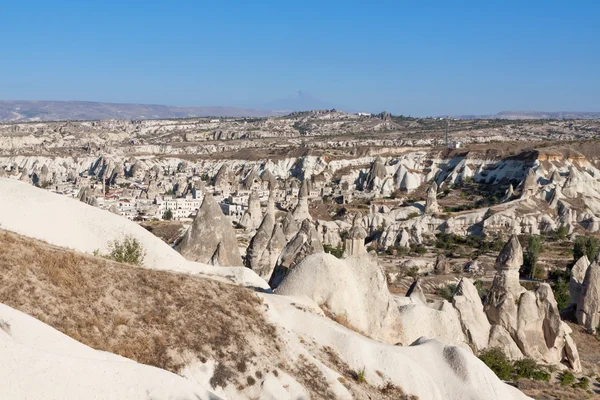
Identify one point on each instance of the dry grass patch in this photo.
(153, 317)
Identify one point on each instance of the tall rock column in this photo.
(211, 238)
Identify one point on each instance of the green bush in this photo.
(413, 272)
(528, 368)
(446, 292)
(506, 370)
(497, 361)
(584, 383)
(335, 251)
(562, 232)
(129, 250)
(585, 245)
(412, 215)
(420, 249)
(567, 378)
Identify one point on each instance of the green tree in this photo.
(532, 254)
(585, 245)
(168, 215)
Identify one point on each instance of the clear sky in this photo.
(407, 57)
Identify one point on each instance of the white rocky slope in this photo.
(38, 362)
(430, 370)
(72, 224)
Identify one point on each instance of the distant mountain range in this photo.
(26, 111)
(299, 101)
(29, 111)
(534, 115)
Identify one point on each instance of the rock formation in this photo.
(86, 195)
(289, 226)
(376, 175)
(578, 273)
(211, 238)
(251, 180)
(353, 288)
(415, 292)
(509, 194)
(354, 244)
(224, 178)
(268, 177)
(588, 304)
(301, 211)
(530, 185)
(431, 205)
(474, 322)
(531, 318)
(253, 215)
(305, 243)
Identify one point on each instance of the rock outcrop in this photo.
(431, 205)
(473, 320)
(353, 288)
(211, 238)
(305, 243)
(530, 318)
(253, 215)
(301, 211)
(588, 304)
(578, 273)
(376, 175)
(354, 244)
(530, 185)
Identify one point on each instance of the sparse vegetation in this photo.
(335, 251)
(135, 312)
(413, 272)
(446, 292)
(360, 376)
(567, 378)
(585, 245)
(129, 250)
(508, 370)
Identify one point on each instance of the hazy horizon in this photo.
(472, 59)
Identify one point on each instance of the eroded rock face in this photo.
(578, 273)
(211, 238)
(354, 288)
(529, 318)
(588, 305)
(474, 322)
(305, 243)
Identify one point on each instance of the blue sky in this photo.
(407, 57)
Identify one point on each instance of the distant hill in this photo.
(299, 101)
(535, 115)
(25, 111)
